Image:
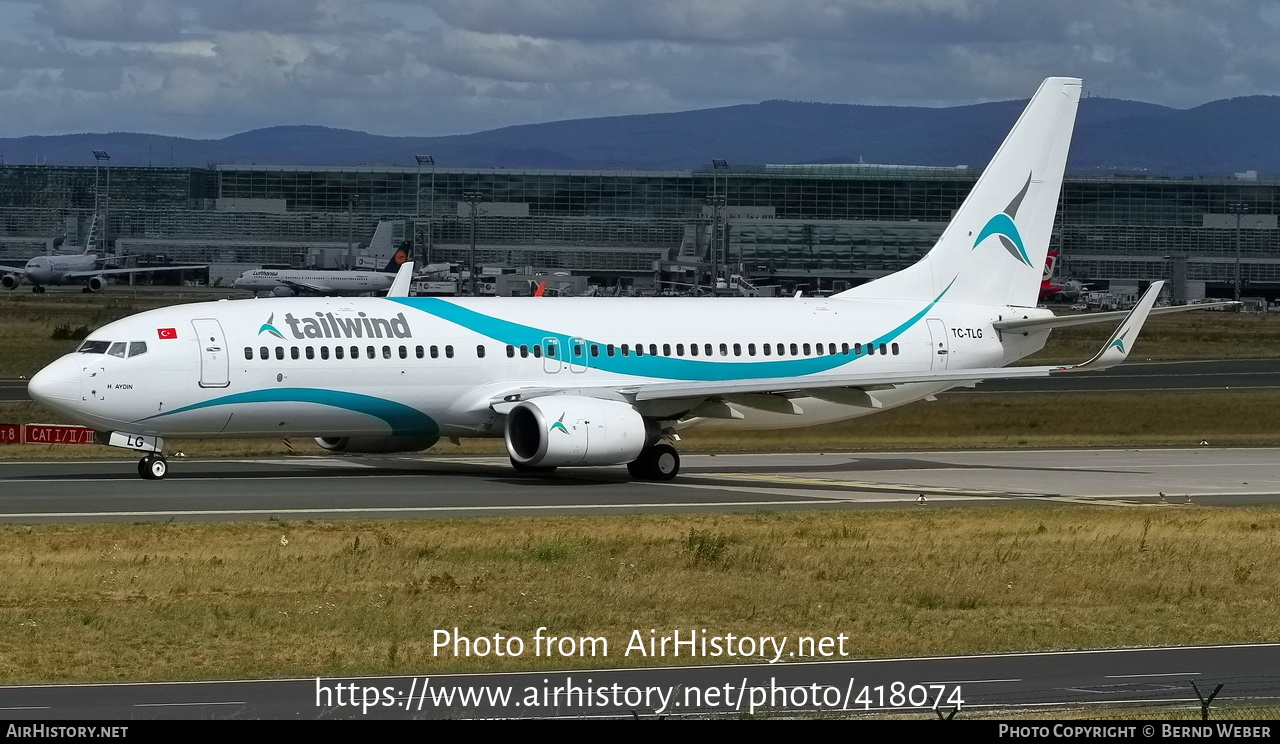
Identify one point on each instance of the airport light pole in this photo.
(99, 156)
(417, 207)
(721, 199)
(1238, 209)
(716, 202)
(472, 199)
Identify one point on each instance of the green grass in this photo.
(314, 598)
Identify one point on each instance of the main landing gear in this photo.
(153, 467)
(661, 462)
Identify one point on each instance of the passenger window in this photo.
(420, 352)
(371, 352)
(895, 348)
(279, 352)
(435, 352)
(137, 348)
(524, 351)
(818, 348)
(386, 352)
(355, 352)
(609, 349)
(794, 350)
(653, 349)
(751, 349)
(551, 351)
(767, 348)
(626, 350)
(724, 349)
(293, 352)
(737, 350)
(248, 352)
(693, 349)
(833, 348)
(404, 352)
(324, 352)
(480, 351)
(537, 351)
(871, 348)
(639, 349)
(806, 349)
(311, 353)
(857, 349)
(781, 349)
(706, 349)
(595, 350)
(263, 353)
(338, 352)
(884, 348)
(680, 350)
(448, 352)
(577, 350)
(511, 351)
(844, 348)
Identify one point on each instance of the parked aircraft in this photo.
(71, 268)
(604, 381)
(318, 282)
(1066, 289)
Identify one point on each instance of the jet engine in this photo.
(283, 292)
(369, 445)
(573, 430)
(10, 281)
(96, 283)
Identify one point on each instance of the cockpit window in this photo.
(137, 348)
(117, 349)
(94, 347)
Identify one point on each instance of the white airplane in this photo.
(602, 381)
(317, 282)
(71, 268)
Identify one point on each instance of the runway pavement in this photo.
(1026, 684)
(421, 486)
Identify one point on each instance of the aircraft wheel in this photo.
(660, 462)
(532, 469)
(153, 467)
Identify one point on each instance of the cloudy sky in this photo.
(209, 68)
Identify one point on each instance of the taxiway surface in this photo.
(419, 485)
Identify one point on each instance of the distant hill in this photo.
(1217, 138)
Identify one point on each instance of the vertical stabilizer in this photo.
(994, 250)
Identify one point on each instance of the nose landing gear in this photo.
(153, 467)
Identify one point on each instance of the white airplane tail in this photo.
(994, 250)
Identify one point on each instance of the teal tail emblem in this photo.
(1119, 342)
(1003, 227)
(559, 425)
(269, 328)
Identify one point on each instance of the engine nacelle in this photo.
(10, 281)
(283, 292)
(370, 445)
(572, 430)
(96, 284)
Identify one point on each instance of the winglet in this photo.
(404, 278)
(1121, 342)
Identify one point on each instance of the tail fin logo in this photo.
(269, 328)
(1003, 227)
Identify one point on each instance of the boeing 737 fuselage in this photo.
(595, 381)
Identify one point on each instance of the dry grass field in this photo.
(188, 601)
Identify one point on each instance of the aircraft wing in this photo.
(13, 269)
(1064, 321)
(111, 272)
(848, 388)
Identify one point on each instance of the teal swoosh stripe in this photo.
(402, 419)
(1002, 224)
(660, 367)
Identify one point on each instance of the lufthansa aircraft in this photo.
(597, 381)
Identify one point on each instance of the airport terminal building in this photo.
(816, 228)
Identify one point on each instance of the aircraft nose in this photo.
(55, 386)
